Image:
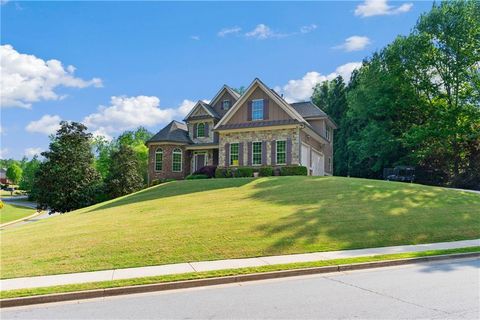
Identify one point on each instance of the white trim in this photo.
(219, 93)
(205, 159)
(254, 85)
(229, 104)
(155, 160)
(263, 110)
(230, 155)
(196, 133)
(181, 159)
(199, 103)
(261, 153)
(276, 153)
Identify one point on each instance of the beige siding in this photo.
(275, 111)
(318, 125)
(325, 148)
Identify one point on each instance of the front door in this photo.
(199, 161)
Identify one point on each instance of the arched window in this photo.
(177, 160)
(201, 130)
(159, 159)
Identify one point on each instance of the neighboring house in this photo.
(258, 128)
(3, 176)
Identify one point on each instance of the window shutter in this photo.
(206, 129)
(227, 154)
(194, 130)
(249, 153)
(249, 111)
(240, 154)
(264, 153)
(289, 151)
(274, 153)
(265, 109)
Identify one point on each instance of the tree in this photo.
(136, 140)
(123, 175)
(67, 179)
(14, 173)
(240, 90)
(28, 177)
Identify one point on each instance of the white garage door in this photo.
(318, 164)
(305, 156)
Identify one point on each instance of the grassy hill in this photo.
(231, 218)
(12, 212)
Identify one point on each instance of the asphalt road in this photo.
(429, 291)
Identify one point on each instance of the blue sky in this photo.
(145, 63)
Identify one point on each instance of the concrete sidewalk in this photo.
(128, 273)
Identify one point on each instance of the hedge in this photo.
(265, 171)
(269, 171)
(197, 176)
(293, 171)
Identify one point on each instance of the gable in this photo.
(217, 104)
(199, 111)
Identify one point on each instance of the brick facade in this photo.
(166, 172)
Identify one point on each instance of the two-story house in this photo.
(257, 128)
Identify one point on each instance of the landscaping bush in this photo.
(210, 171)
(197, 176)
(265, 171)
(220, 173)
(160, 181)
(293, 171)
(243, 172)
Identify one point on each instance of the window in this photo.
(281, 152)
(234, 154)
(257, 110)
(256, 153)
(177, 160)
(225, 104)
(201, 130)
(158, 159)
(327, 133)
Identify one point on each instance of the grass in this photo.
(12, 212)
(198, 220)
(221, 273)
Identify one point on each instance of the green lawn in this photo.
(197, 220)
(12, 212)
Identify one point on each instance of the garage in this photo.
(318, 163)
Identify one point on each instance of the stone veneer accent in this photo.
(259, 135)
(208, 139)
(167, 172)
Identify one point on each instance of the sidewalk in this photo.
(128, 273)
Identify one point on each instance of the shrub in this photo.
(243, 172)
(197, 176)
(293, 171)
(265, 171)
(210, 171)
(160, 181)
(220, 173)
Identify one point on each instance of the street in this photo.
(439, 290)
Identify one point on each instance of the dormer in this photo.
(200, 122)
(224, 100)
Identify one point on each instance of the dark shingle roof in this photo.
(174, 132)
(208, 107)
(256, 124)
(308, 110)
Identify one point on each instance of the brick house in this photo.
(257, 128)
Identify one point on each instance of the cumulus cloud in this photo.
(26, 79)
(354, 43)
(309, 28)
(302, 89)
(261, 31)
(229, 31)
(3, 153)
(372, 8)
(31, 152)
(47, 125)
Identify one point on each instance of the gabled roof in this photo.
(174, 132)
(273, 95)
(206, 107)
(220, 92)
(308, 110)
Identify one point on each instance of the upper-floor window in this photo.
(201, 130)
(257, 109)
(234, 148)
(159, 159)
(328, 132)
(177, 160)
(281, 152)
(225, 104)
(256, 153)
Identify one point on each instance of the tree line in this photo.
(414, 102)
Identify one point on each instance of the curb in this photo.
(164, 286)
(21, 219)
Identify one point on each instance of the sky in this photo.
(118, 65)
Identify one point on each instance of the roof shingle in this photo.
(174, 132)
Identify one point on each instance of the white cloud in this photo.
(196, 38)
(309, 28)
(263, 32)
(2, 2)
(125, 113)
(372, 8)
(227, 31)
(302, 89)
(3, 153)
(185, 107)
(354, 43)
(47, 125)
(31, 152)
(26, 79)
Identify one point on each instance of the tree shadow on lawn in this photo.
(348, 213)
(174, 188)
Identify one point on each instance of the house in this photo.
(3, 176)
(257, 128)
